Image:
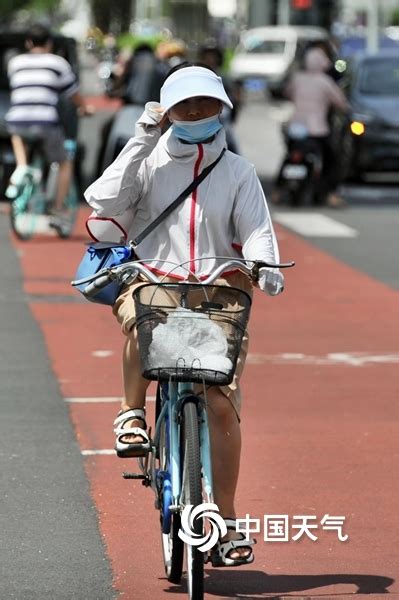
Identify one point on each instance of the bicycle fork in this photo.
(171, 412)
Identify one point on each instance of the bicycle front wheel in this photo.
(172, 545)
(192, 494)
(24, 210)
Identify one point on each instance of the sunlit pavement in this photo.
(319, 427)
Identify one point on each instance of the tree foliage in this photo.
(8, 7)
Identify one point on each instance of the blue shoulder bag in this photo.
(103, 256)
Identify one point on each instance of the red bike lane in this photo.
(320, 428)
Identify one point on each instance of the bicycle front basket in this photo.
(190, 332)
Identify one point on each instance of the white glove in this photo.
(155, 111)
(271, 281)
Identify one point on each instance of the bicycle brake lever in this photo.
(260, 265)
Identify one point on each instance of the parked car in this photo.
(12, 43)
(266, 56)
(367, 139)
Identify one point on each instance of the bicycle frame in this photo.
(173, 396)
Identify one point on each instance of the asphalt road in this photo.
(50, 545)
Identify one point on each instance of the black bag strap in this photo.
(193, 185)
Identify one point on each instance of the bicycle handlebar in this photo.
(128, 272)
(96, 285)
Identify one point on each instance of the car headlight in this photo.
(359, 122)
(357, 127)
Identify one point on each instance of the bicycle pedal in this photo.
(126, 475)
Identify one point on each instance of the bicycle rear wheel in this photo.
(25, 209)
(192, 494)
(172, 545)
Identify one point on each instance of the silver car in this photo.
(265, 56)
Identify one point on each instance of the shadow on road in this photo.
(252, 585)
(245, 583)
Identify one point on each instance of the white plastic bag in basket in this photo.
(190, 336)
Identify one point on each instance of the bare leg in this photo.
(225, 436)
(226, 448)
(19, 150)
(134, 384)
(63, 183)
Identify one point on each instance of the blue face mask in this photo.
(196, 131)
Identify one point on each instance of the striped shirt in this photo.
(36, 81)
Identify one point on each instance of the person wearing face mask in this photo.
(226, 216)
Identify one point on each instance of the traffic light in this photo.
(302, 4)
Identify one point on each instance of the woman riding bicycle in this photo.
(227, 216)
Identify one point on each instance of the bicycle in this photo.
(33, 194)
(178, 464)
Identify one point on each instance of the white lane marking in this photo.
(352, 359)
(313, 224)
(99, 399)
(103, 452)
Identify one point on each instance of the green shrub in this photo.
(130, 40)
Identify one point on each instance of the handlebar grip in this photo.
(259, 264)
(286, 265)
(98, 284)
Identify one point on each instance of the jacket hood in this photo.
(180, 151)
(316, 61)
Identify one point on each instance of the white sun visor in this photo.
(189, 82)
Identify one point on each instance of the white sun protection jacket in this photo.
(226, 216)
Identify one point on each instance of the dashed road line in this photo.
(102, 452)
(312, 224)
(99, 399)
(351, 359)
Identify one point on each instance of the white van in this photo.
(265, 55)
